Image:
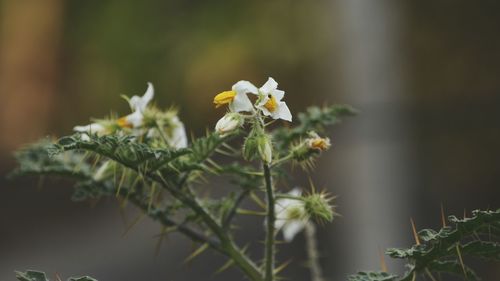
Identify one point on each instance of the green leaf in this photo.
(31, 275)
(372, 276)
(123, 149)
(84, 278)
(453, 267)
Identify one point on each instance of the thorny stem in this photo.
(229, 248)
(269, 243)
(312, 253)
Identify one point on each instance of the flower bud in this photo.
(250, 150)
(230, 122)
(265, 148)
(318, 206)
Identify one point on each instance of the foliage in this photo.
(31, 275)
(444, 251)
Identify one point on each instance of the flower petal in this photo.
(241, 102)
(179, 138)
(269, 86)
(282, 112)
(278, 94)
(94, 128)
(135, 118)
(292, 228)
(139, 103)
(245, 87)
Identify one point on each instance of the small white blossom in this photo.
(291, 216)
(138, 106)
(228, 123)
(270, 101)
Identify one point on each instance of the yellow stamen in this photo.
(271, 104)
(224, 98)
(122, 122)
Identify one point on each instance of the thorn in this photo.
(58, 278)
(160, 240)
(443, 220)
(414, 277)
(383, 265)
(461, 260)
(430, 274)
(415, 235)
(196, 253)
(465, 214)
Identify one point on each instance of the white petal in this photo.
(245, 87)
(241, 102)
(279, 223)
(135, 119)
(140, 103)
(278, 94)
(179, 138)
(282, 112)
(269, 86)
(94, 128)
(292, 228)
(295, 192)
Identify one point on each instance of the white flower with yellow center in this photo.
(138, 106)
(270, 101)
(237, 99)
(291, 216)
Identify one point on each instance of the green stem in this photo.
(228, 246)
(312, 253)
(269, 243)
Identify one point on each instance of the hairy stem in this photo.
(269, 243)
(312, 253)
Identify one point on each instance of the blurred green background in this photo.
(424, 75)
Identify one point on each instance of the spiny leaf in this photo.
(31, 275)
(372, 276)
(453, 267)
(84, 278)
(123, 149)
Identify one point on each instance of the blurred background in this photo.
(424, 75)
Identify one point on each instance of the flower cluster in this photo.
(268, 102)
(145, 122)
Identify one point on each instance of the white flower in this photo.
(237, 98)
(228, 123)
(270, 101)
(91, 129)
(138, 106)
(291, 216)
(178, 138)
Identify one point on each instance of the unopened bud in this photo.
(265, 148)
(230, 122)
(318, 206)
